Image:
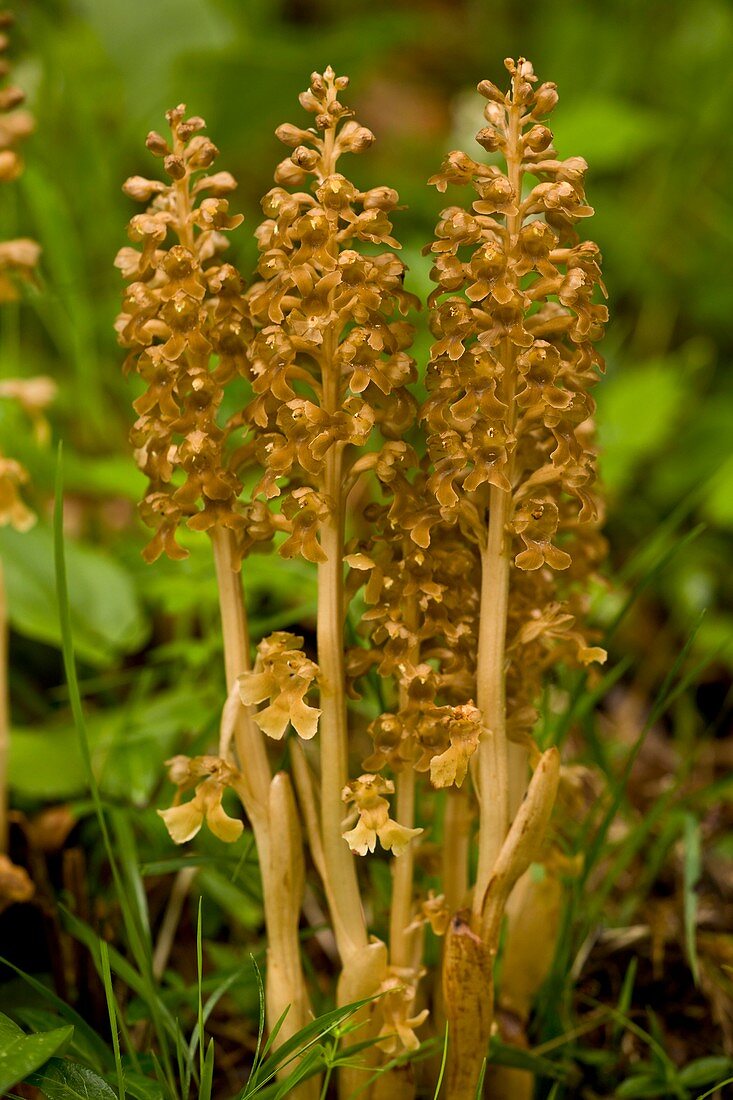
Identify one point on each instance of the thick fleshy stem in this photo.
(270, 807)
(493, 765)
(338, 859)
(402, 942)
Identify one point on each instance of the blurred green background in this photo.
(646, 91)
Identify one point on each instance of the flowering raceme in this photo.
(183, 306)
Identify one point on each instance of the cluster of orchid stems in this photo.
(467, 557)
(18, 260)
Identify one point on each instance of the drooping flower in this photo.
(284, 675)
(464, 726)
(396, 1006)
(210, 776)
(367, 793)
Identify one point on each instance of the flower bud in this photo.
(489, 139)
(305, 158)
(380, 198)
(361, 140)
(495, 114)
(490, 91)
(190, 127)
(221, 183)
(201, 153)
(157, 144)
(546, 98)
(140, 189)
(292, 135)
(175, 167)
(288, 174)
(538, 138)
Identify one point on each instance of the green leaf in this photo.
(21, 1054)
(127, 746)
(641, 1085)
(9, 1030)
(142, 1088)
(502, 1054)
(96, 1048)
(62, 1080)
(705, 1071)
(207, 1073)
(106, 617)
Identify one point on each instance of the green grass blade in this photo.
(112, 1013)
(443, 1064)
(137, 943)
(200, 998)
(66, 1012)
(207, 1073)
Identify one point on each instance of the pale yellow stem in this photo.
(493, 763)
(270, 808)
(248, 738)
(456, 844)
(337, 857)
(402, 942)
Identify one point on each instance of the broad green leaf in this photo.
(641, 1085)
(62, 1080)
(9, 1030)
(142, 1088)
(22, 1054)
(705, 1071)
(106, 617)
(128, 748)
